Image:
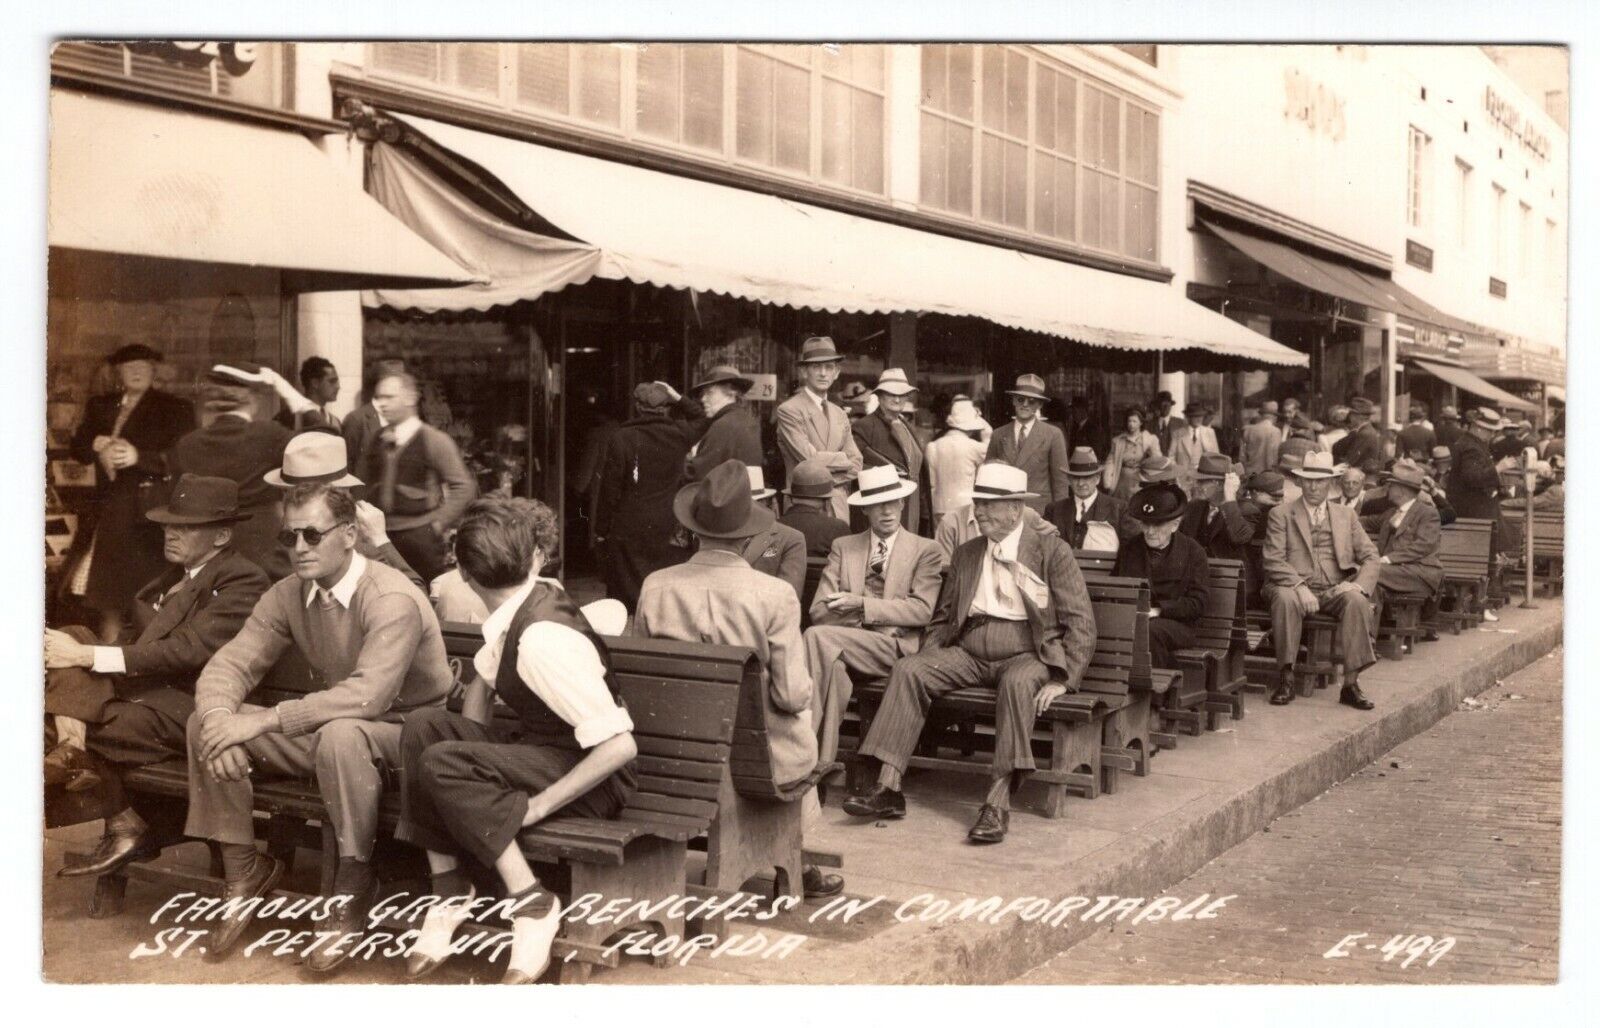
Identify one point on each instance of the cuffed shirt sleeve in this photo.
(108, 661)
(564, 670)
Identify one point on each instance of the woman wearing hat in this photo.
(731, 431)
(1174, 564)
(124, 434)
(1128, 450)
(953, 458)
(638, 478)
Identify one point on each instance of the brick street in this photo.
(1455, 833)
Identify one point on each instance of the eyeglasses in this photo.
(314, 536)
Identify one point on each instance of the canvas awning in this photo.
(1466, 381)
(624, 222)
(136, 180)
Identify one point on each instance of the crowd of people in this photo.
(948, 565)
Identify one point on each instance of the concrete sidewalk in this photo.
(1210, 794)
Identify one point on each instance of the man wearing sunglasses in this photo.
(372, 639)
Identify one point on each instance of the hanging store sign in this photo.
(233, 58)
(1513, 124)
(1497, 287)
(1313, 104)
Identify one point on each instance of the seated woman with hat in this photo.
(1174, 564)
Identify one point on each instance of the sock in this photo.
(1000, 793)
(453, 882)
(238, 860)
(125, 822)
(71, 732)
(889, 778)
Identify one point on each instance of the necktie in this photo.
(1003, 578)
(1318, 514)
(391, 461)
(878, 557)
(172, 591)
(1022, 433)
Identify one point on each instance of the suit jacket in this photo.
(1043, 456)
(806, 431)
(176, 637)
(961, 525)
(243, 451)
(1064, 515)
(780, 551)
(1286, 557)
(1417, 440)
(359, 429)
(885, 438)
(818, 526)
(1228, 535)
(1360, 448)
(910, 587)
(1063, 628)
(1415, 544)
(1185, 450)
(1473, 479)
(715, 597)
(1261, 442)
(732, 433)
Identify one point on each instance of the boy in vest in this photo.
(466, 789)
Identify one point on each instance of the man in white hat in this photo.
(1317, 557)
(884, 437)
(874, 600)
(953, 458)
(1040, 450)
(1408, 536)
(1013, 615)
(776, 550)
(810, 426)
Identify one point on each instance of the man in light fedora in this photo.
(717, 597)
(884, 438)
(114, 708)
(1013, 615)
(1087, 505)
(874, 600)
(1408, 536)
(810, 490)
(1040, 450)
(1191, 442)
(777, 549)
(811, 427)
(731, 431)
(1317, 558)
(953, 458)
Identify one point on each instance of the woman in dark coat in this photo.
(642, 471)
(1174, 564)
(125, 435)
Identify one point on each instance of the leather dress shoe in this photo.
(818, 885)
(351, 923)
(1352, 696)
(112, 852)
(260, 881)
(1284, 693)
(877, 802)
(991, 826)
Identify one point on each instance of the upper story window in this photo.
(1463, 204)
(1019, 142)
(1497, 242)
(1419, 159)
(1525, 242)
(804, 111)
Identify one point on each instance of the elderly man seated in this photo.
(1013, 615)
(961, 525)
(1408, 537)
(874, 600)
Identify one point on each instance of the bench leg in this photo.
(1074, 764)
(652, 871)
(754, 837)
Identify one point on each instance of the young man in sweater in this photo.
(370, 635)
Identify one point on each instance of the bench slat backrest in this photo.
(1120, 605)
(1100, 562)
(1222, 627)
(815, 566)
(1466, 547)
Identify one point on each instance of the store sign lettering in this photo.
(1313, 103)
(1513, 124)
(233, 58)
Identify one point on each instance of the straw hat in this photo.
(879, 485)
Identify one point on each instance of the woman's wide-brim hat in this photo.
(720, 506)
(200, 500)
(879, 485)
(1317, 465)
(998, 481)
(964, 417)
(1157, 503)
(313, 457)
(723, 373)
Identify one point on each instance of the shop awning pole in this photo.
(1529, 456)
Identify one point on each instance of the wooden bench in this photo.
(1549, 543)
(1467, 554)
(1217, 658)
(815, 566)
(683, 708)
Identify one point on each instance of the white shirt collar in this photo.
(820, 399)
(344, 589)
(191, 572)
(888, 544)
(498, 623)
(404, 430)
(1400, 511)
(1311, 508)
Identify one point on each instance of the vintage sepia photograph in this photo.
(870, 512)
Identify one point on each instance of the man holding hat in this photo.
(777, 549)
(1223, 526)
(810, 427)
(1408, 537)
(120, 707)
(953, 458)
(640, 475)
(1173, 563)
(1364, 443)
(1013, 615)
(731, 431)
(1087, 504)
(1262, 439)
(1191, 442)
(875, 599)
(1473, 480)
(884, 438)
(716, 597)
(810, 490)
(1318, 558)
(1026, 442)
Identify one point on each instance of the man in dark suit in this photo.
(1363, 447)
(1083, 429)
(319, 384)
(777, 549)
(1473, 479)
(1408, 537)
(1417, 439)
(1087, 503)
(640, 475)
(810, 492)
(1040, 450)
(1013, 615)
(1448, 427)
(1223, 527)
(883, 437)
(116, 707)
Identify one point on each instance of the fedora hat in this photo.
(758, 483)
(855, 394)
(312, 457)
(1196, 409)
(964, 416)
(1266, 482)
(720, 506)
(997, 481)
(1157, 502)
(1156, 468)
(723, 373)
(133, 352)
(1361, 405)
(1083, 462)
(879, 485)
(810, 479)
(200, 500)
(1029, 385)
(1487, 417)
(1317, 464)
(1406, 472)
(893, 381)
(1213, 465)
(1441, 453)
(819, 350)
(1448, 411)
